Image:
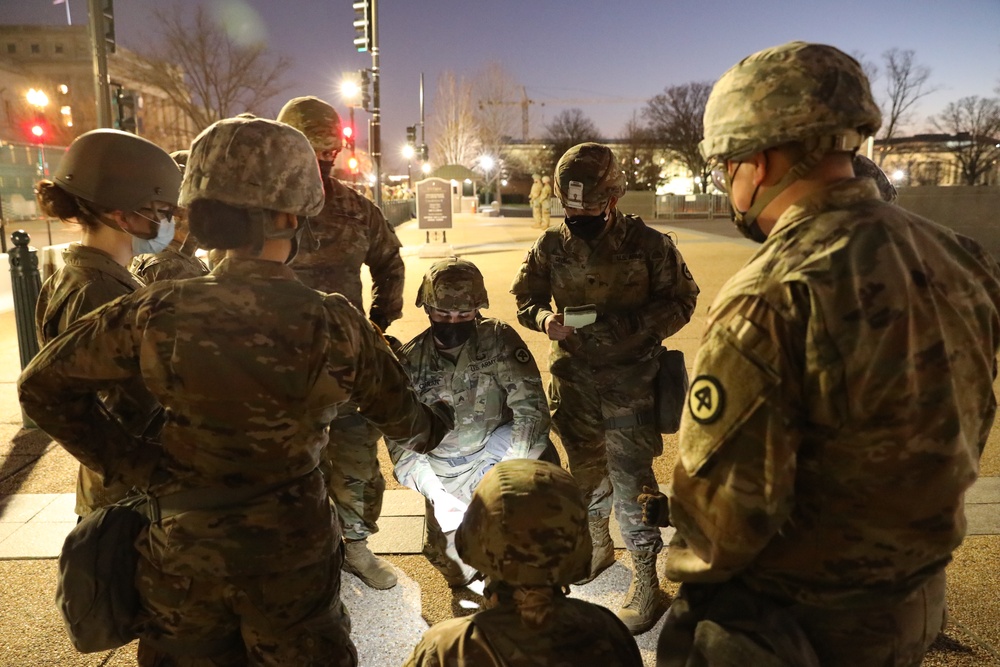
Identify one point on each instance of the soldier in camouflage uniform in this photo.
(348, 232)
(482, 368)
(544, 202)
(602, 374)
(118, 188)
(534, 201)
(241, 563)
(177, 261)
(843, 391)
(526, 529)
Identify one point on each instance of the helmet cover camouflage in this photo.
(527, 526)
(866, 168)
(794, 92)
(453, 284)
(181, 158)
(316, 119)
(588, 176)
(118, 171)
(232, 161)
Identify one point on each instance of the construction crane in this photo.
(525, 102)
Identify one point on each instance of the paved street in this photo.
(37, 479)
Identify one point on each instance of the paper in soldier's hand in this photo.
(579, 316)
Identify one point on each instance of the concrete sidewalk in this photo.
(37, 479)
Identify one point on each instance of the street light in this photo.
(39, 100)
(350, 91)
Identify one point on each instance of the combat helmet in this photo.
(316, 119)
(814, 94)
(527, 526)
(181, 158)
(453, 284)
(232, 161)
(118, 171)
(867, 168)
(588, 175)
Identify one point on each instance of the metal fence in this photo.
(398, 211)
(692, 206)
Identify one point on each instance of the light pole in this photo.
(39, 100)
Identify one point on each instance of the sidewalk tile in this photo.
(402, 502)
(985, 490)
(22, 507)
(397, 535)
(983, 518)
(60, 510)
(36, 540)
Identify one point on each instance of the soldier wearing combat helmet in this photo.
(350, 231)
(464, 355)
(846, 367)
(639, 291)
(526, 529)
(241, 564)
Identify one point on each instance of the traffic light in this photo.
(38, 131)
(348, 133)
(423, 152)
(411, 135)
(366, 92)
(352, 164)
(108, 10)
(127, 119)
(362, 25)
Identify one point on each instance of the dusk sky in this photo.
(605, 57)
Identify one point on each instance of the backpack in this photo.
(96, 593)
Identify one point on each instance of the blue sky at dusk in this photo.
(604, 56)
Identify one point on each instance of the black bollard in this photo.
(25, 283)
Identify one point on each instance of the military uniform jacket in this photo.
(576, 633)
(493, 381)
(91, 278)
(633, 274)
(351, 231)
(176, 262)
(251, 366)
(840, 401)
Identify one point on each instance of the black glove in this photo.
(379, 320)
(655, 507)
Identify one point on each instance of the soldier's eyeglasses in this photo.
(162, 215)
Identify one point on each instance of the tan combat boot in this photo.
(642, 606)
(362, 563)
(603, 555)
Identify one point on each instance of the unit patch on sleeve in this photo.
(706, 399)
(522, 355)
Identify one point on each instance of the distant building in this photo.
(929, 159)
(57, 61)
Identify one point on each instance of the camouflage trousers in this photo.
(536, 213)
(353, 477)
(439, 547)
(287, 618)
(603, 417)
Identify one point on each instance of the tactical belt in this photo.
(172, 504)
(456, 461)
(628, 421)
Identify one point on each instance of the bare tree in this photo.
(569, 128)
(453, 123)
(905, 84)
(974, 122)
(675, 118)
(498, 100)
(204, 71)
(867, 66)
(638, 156)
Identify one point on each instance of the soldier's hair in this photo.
(55, 202)
(221, 226)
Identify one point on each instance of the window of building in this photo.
(58, 48)
(36, 48)
(12, 48)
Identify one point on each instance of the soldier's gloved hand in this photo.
(448, 510)
(655, 507)
(379, 320)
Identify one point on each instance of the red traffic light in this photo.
(348, 131)
(352, 163)
(38, 131)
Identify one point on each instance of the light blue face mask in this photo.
(164, 235)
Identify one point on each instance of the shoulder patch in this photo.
(522, 355)
(706, 399)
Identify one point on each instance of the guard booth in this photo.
(435, 202)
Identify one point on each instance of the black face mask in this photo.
(452, 334)
(587, 227)
(326, 169)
